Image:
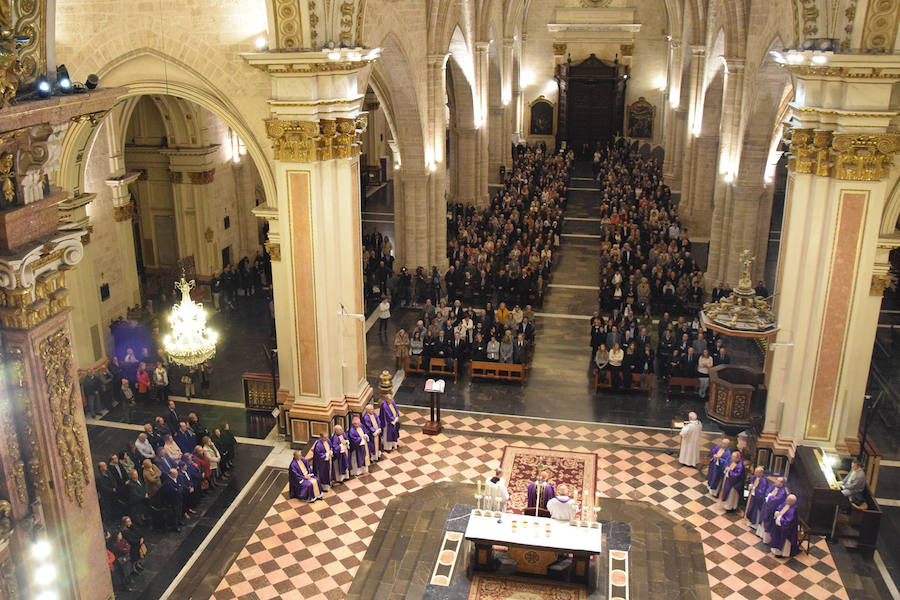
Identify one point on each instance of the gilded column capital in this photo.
(559, 49)
(846, 156)
(295, 140)
(880, 282)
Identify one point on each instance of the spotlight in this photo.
(92, 81)
(43, 87)
(62, 79)
(45, 574)
(47, 595)
(261, 43)
(40, 549)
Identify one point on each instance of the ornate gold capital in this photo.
(203, 177)
(847, 156)
(309, 141)
(274, 251)
(123, 213)
(559, 49)
(879, 284)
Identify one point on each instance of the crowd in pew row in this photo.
(159, 481)
(503, 253)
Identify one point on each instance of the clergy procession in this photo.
(345, 454)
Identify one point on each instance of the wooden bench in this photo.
(602, 381)
(684, 385)
(498, 370)
(438, 366)
(416, 365)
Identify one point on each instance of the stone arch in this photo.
(461, 133)
(149, 72)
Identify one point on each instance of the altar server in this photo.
(690, 441)
(539, 492)
(303, 484)
(759, 487)
(562, 508)
(784, 531)
(732, 483)
(340, 445)
(496, 495)
(323, 456)
(372, 426)
(390, 423)
(359, 448)
(718, 460)
(774, 501)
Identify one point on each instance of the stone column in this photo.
(509, 108)
(832, 264)
(431, 229)
(694, 122)
(482, 139)
(674, 129)
(45, 463)
(192, 170)
(315, 236)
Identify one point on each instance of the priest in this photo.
(690, 441)
(390, 423)
(562, 507)
(303, 484)
(539, 492)
(718, 460)
(774, 500)
(359, 448)
(372, 426)
(759, 487)
(322, 461)
(784, 532)
(496, 494)
(340, 465)
(732, 483)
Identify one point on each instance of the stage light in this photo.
(43, 87)
(45, 574)
(62, 79)
(92, 81)
(40, 549)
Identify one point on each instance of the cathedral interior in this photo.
(230, 218)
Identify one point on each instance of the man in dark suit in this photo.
(689, 363)
(527, 329)
(613, 337)
(117, 470)
(441, 348)
(642, 340)
(520, 350)
(164, 462)
(172, 418)
(479, 348)
(458, 348)
(684, 344)
(598, 337)
(107, 489)
(172, 495)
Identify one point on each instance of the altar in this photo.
(537, 543)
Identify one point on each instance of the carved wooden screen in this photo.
(592, 101)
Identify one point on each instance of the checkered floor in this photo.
(303, 550)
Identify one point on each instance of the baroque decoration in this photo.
(640, 119)
(308, 141)
(190, 342)
(65, 405)
(848, 156)
(743, 312)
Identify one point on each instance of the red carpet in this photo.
(521, 466)
(488, 587)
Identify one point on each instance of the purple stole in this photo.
(759, 487)
(299, 472)
(322, 461)
(362, 445)
(774, 499)
(372, 426)
(787, 531)
(733, 474)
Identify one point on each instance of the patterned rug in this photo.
(486, 587)
(521, 466)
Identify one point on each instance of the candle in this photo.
(479, 487)
(597, 497)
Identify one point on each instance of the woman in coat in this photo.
(401, 350)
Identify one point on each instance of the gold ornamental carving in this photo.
(879, 284)
(845, 156)
(274, 251)
(176, 177)
(56, 355)
(310, 141)
(331, 66)
(559, 49)
(288, 29)
(123, 213)
(8, 578)
(19, 394)
(880, 27)
(203, 177)
(23, 308)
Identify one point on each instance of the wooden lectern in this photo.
(434, 389)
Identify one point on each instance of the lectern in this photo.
(434, 389)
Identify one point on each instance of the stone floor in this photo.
(302, 550)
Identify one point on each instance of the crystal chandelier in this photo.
(191, 342)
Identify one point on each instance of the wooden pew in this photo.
(602, 381)
(497, 370)
(416, 365)
(438, 366)
(684, 385)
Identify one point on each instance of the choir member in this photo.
(690, 441)
(732, 483)
(784, 530)
(372, 426)
(774, 500)
(562, 507)
(340, 445)
(323, 456)
(759, 487)
(495, 492)
(359, 448)
(539, 492)
(303, 484)
(718, 460)
(390, 423)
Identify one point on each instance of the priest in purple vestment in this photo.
(759, 487)
(303, 484)
(340, 465)
(390, 423)
(359, 448)
(784, 530)
(322, 459)
(372, 426)
(732, 483)
(718, 460)
(539, 492)
(774, 500)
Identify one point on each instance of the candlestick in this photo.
(479, 487)
(597, 498)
